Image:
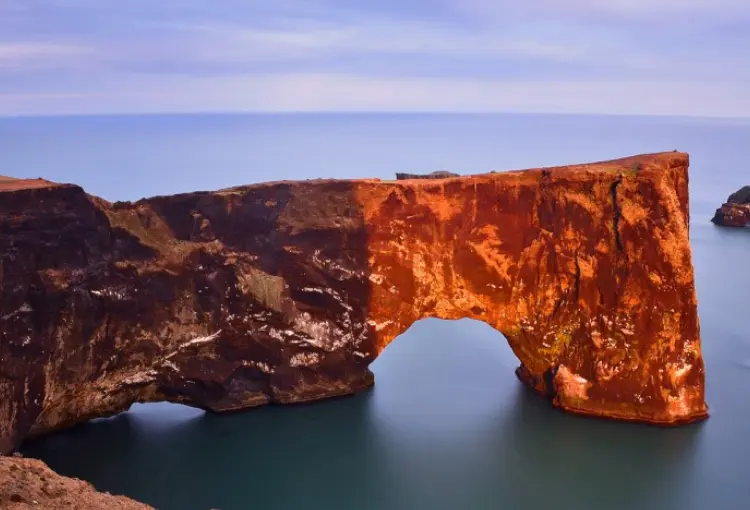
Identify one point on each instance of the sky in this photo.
(661, 57)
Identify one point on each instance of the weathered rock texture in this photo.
(736, 210)
(286, 292)
(30, 484)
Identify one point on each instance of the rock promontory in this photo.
(285, 292)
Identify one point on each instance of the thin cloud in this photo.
(346, 93)
(20, 51)
(662, 11)
(313, 40)
(670, 57)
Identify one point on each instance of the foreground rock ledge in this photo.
(30, 484)
(285, 292)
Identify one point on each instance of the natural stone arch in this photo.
(586, 270)
(285, 292)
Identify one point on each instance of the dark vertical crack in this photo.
(577, 277)
(106, 327)
(617, 213)
(549, 381)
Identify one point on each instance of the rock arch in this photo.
(285, 292)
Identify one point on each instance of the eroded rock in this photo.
(286, 292)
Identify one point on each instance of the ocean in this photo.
(447, 425)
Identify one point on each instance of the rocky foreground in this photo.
(285, 292)
(735, 212)
(29, 484)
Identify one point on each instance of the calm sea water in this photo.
(447, 425)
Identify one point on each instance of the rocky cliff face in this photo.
(286, 292)
(735, 212)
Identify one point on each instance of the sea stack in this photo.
(735, 212)
(286, 292)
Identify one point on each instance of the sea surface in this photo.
(447, 425)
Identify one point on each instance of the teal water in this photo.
(447, 425)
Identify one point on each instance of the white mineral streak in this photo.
(260, 365)
(201, 340)
(379, 326)
(304, 359)
(111, 293)
(195, 341)
(313, 289)
(140, 378)
(321, 334)
(276, 334)
(334, 267)
(25, 308)
(169, 364)
(330, 292)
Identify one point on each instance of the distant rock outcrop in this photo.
(735, 212)
(440, 174)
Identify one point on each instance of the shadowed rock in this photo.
(285, 292)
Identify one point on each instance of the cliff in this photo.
(285, 292)
(735, 212)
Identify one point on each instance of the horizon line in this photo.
(364, 112)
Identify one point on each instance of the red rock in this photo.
(286, 292)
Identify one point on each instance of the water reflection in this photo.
(446, 427)
(275, 457)
(530, 456)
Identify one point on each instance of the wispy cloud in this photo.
(330, 92)
(33, 54)
(661, 11)
(635, 56)
(311, 40)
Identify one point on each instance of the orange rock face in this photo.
(286, 292)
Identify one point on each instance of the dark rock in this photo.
(741, 196)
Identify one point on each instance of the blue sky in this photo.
(672, 57)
